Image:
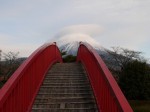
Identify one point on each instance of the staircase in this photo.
(66, 88)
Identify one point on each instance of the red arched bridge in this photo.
(41, 84)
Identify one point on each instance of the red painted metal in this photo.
(18, 94)
(108, 95)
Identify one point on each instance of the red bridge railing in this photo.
(108, 95)
(18, 94)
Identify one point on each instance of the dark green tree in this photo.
(63, 53)
(135, 80)
(69, 58)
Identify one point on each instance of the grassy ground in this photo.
(140, 106)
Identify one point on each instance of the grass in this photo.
(140, 106)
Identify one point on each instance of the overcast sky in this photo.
(27, 24)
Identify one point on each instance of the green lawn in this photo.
(140, 106)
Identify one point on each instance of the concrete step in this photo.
(61, 100)
(65, 110)
(64, 84)
(66, 88)
(65, 78)
(45, 88)
(66, 81)
(65, 105)
(73, 102)
(61, 97)
(65, 95)
(65, 73)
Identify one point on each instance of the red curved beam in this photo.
(18, 94)
(108, 95)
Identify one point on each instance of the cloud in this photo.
(14, 44)
(110, 22)
(4, 38)
(132, 37)
(24, 49)
(88, 29)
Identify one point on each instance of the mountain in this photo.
(70, 43)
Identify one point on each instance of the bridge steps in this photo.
(66, 88)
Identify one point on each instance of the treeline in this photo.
(132, 73)
(9, 62)
(135, 80)
(68, 58)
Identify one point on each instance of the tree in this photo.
(135, 80)
(66, 57)
(121, 56)
(63, 53)
(134, 73)
(10, 64)
(69, 58)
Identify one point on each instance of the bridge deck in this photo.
(66, 88)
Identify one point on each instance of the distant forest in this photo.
(9, 62)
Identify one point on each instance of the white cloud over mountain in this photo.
(110, 22)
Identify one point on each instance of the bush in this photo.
(69, 58)
(135, 81)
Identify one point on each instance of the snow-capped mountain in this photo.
(70, 43)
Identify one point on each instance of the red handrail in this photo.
(18, 94)
(108, 95)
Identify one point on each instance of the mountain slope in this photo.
(70, 43)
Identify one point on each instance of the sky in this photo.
(27, 24)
